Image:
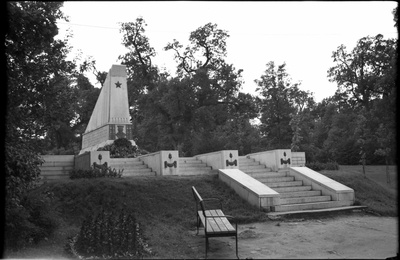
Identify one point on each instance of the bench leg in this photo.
(206, 246)
(237, 254)
(198, 224)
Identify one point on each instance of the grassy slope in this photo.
(166, 210)
(164, 206)
(370, 190)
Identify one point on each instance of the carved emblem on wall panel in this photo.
(231, 163)
(172, 164)
(285, 161)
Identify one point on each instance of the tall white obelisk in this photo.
(110, 119)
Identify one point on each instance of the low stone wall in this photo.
(85, 161)
(298, 159)
(250, 189)
(162, 162)
(56, 167)
(225, 159)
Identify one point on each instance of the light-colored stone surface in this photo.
(248, 188)
(156, 161)
(112, 104)
(298, 159)
(272, 159)
(218, 160)
(336, 190)
(56, 167)
(111, 110)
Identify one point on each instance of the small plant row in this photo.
(108, 236)
(318, 166)
(96, 173)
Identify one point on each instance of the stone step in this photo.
(244, 158)
(275, 179)
(193, 166)
(248, 167)
(51, 164)
(199, 171)
(310, 206)
(297, 194)
(250, 171)
(266, 175)
(301, 200)
(284, 184)
(125, 160)
(292, 189)
(242, 162)
(128, 166)
(56, 168)
(189, 160)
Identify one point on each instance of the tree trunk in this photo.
(363, 165)
(387, 170)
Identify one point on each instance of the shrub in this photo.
(121, 148)
(21, 173)
(96, 173)
(35, 220)
(108, 236)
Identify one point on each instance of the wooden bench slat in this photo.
(219, 220)
(212, 226)
(220, 224)
(217, 223)
(227, 225)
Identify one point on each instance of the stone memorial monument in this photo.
(110, 118)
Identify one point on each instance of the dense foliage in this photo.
(122, 148)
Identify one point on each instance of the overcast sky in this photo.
(302, 34)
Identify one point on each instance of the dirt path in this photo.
(359, 236)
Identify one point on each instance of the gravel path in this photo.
(356, 235)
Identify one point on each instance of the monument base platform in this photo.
(102, 144)
(105, 135)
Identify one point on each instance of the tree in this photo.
(35, 63)
(86, 98)
(384, 138)
(143, 75)
(207, 50)
(276, 106)
(367, 72)
(37, 72)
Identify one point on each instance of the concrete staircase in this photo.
(294, 195)
(192, 166)
(136, 167)
(131, 166)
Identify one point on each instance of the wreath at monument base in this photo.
(121, 148)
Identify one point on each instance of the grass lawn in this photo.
(165, 208)
(370, 190)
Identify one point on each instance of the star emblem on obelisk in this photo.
(118, 84)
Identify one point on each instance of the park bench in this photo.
(214, 221)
